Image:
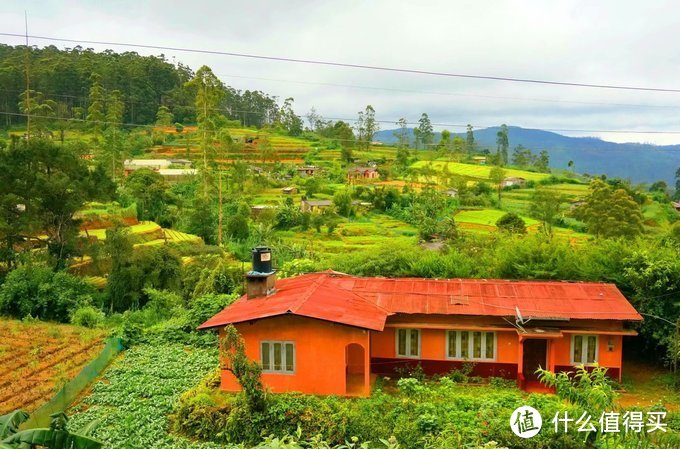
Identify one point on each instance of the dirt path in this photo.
(646, 385)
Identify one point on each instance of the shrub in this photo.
(592, 390)
(204, 307)
(42, 293)
(87, 316)
(512, 223)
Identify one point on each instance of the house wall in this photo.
(433, 357)
(612, 359)
(320, 348)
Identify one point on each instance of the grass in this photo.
(487, 217)
(483, 221)
(478, 172)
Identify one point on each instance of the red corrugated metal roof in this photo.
(308, 295)
(366, 302)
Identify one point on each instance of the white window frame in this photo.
(483, 357)
(283, 369)
(584, 349)
(408, 343)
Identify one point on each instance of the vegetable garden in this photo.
(139, 391)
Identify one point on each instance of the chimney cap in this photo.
(262, 262)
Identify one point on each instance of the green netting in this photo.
(71, 390)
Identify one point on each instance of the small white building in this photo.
(131, 165)
(513, 181)
(177, 174)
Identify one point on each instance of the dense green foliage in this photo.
(437, 414)
(610, 212)
(63, 77)
(41, 293)
(42, 186)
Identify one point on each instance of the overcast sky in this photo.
(605, 42)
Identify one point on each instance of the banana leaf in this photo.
(89, 428)
(49, 438)
(9, 424)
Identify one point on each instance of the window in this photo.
(277, 356)
(584, 349)
(408, 343)
(471, 345)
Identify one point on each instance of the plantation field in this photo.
(519, 200)
(478, 172)
(487, 217)
(172, 236)
(36, 359)
(368, 231)
(484, 221)
(137, 393)
(143, 228)
(275, 196)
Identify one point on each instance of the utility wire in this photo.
(353, 66)
(453, 94)
(452, 125)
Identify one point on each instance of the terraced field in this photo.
(484, 221)
(144, 228)
(519, 200)
(172, 236)
(477, 172)
(36, 359)
(371, 231)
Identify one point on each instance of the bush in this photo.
(42, 293)
(205, 307)
(511, 223)
(436, 415)
(87, 316)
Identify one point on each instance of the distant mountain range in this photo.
(634, 161)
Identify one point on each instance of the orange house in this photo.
(331, 333)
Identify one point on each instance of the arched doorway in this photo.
(355, 369)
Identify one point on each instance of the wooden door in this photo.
(535, 356)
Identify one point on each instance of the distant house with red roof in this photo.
(355, 174)
(332, 333)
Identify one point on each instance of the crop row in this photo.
(137, 393)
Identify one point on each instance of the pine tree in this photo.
(469, 140)
(95, 107)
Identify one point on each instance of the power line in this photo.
(453, 94)
(451, 125)
(354, 66)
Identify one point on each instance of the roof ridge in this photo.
(461, 280)
(366, 300)
(320, 277)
